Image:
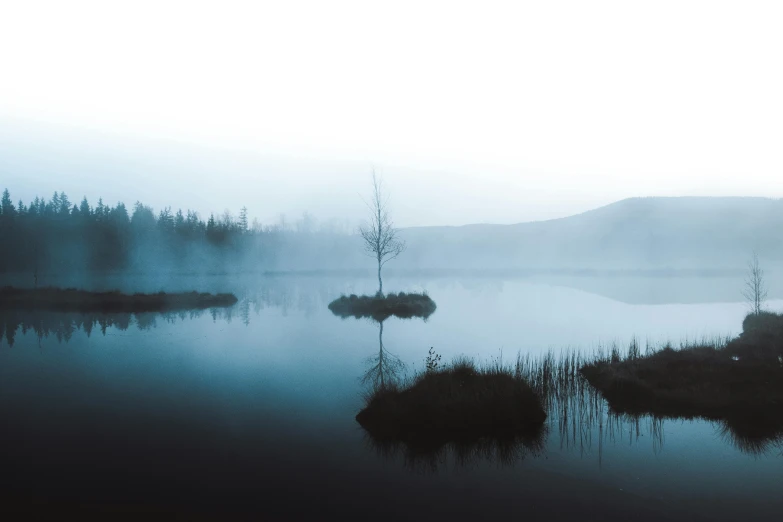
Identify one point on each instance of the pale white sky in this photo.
(476, 112)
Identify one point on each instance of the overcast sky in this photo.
(480, 112)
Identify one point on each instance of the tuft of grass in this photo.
(73, 300)
(737, 382)
(458, 405)
(380, 307)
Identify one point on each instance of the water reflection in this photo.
(754, 437)
(385, 368)
(386, 371)
(578, 420)
(586, 420)
(62, 325)
(576, 412)
(500, 452)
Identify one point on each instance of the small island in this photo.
(739, 382)
(382, 242)
(380, 307)
(457, 405)
(73, 300)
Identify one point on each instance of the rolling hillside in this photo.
(637, 233)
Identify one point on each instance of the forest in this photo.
(58, 236)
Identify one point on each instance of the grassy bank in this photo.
(738, 382)
(461, 405)
(72, 300)
(382, 307)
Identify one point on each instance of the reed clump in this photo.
(738, 381)
(458, 404)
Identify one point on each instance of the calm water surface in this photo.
(250, 411)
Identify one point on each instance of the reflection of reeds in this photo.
(583, 420)
(576, 406)
(737, 383)
(502, 452)
(575, 410)
(754, 444)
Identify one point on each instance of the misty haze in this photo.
(420, 261)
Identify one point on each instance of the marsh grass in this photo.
(380, 307)
(73, 300)
(736, 382)
(460, 408)
(576, 411)
(592, 398)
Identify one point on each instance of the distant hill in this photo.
(636, 233)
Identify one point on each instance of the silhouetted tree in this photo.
(84, 209)
(755, 291)
(65, 204)
(379, 235)
(6, 206)
(143, 219)
(243, 220)
(53, 235)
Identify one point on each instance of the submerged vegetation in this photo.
(380, 307)
(57, 299)
(460, 406)
(737, 382)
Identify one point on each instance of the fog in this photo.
(508, 114)
(302, 214)
(425, 260)
(38, 158)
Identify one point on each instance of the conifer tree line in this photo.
(60, 236)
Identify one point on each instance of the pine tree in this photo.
(6, 206)
(84, 209)
(65, 204)
(243, 220)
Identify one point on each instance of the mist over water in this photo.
(266, 393)
(409, 261)
(252, 408)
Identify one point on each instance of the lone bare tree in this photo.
(755, 290)
(379, 235)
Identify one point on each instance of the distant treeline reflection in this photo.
(62, 325)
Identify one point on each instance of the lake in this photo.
(249, 411)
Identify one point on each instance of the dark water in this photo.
(249, 412)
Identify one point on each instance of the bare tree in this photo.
(379, 235)
(755, 290)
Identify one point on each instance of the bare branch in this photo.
(755, 291)
(379, 236)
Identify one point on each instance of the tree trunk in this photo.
(380, 354)
(35, 268)
(380, 281)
